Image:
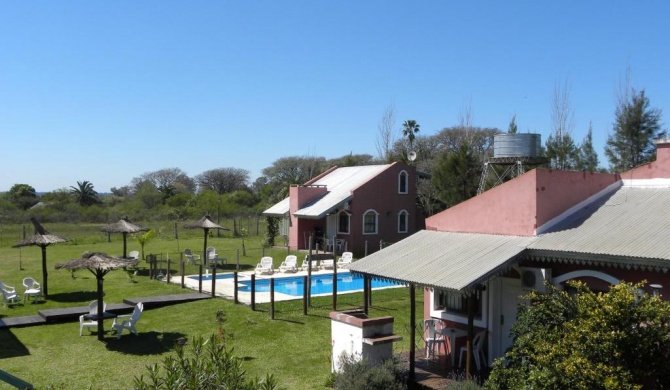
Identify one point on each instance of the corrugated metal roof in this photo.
(443, 259)
(631, 222)
(279, 209)
(340, 183)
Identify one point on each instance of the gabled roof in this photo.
(340, 184)
(628, 226)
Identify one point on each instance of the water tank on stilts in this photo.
(512, 155)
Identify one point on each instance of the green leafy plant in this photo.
(359, 374)
(143, 239)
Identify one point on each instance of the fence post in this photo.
(182, 270)
(334, 285)
(304, 295)
(365, 293)
(235, 288)
(272, 298)
(200, 278)
(238, 259)
(253, 292)
(167, 271)
(214, 280)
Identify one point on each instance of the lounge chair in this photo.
(290, 264)
(9, 294)
(190, 257)
(92, 311)
(305, 265)
(265, 266)
(345, 260)
(128, 321)
(134, 255)
(327, 264)
(33, 289)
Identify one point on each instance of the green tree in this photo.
(456, 176)
(144, 238)
(512, 125)
(561, 151)
(636, 125)
(84, 193)
(587, 158)
(409, 130)
(23, 196)
(580, 339)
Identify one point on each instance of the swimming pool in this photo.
(320, 284)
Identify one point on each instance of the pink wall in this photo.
(298, 196)
(657, 169)
(520, 206)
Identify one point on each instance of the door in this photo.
(510, 299)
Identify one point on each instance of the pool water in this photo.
(320, 284)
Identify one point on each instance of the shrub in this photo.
(358, 374)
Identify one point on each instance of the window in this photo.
(402, 221)
(455, 302)
(370, 222)
(343, 223)
(402, 182)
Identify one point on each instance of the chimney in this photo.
(663, 151)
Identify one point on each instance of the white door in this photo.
(511, 299)
(331, 226)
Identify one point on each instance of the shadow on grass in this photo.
(11, 346)
(76, 296)
(146, 343)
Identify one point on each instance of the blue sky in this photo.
(107, 90)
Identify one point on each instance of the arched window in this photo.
(370, 222)
(403, 219)
(402, 182)
(343, 221)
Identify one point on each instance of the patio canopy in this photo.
(454, 261)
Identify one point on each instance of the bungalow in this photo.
(544, 225)
(360, 207)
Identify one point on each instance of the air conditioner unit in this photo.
(533, 278)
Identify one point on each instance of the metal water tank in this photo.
(517, 145)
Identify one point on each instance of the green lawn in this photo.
(293, 347)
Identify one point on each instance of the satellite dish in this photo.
(411, 156)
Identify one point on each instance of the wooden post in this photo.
(309, 271)
(366, 286)
(471, 331)
(272, 298)
(183, 272)
(369, 295)
(200, 278)
(214, 280)
(253, 292)
(334, 285)
(304, 295)
(235, 288)
(238, 259)
(167, 271)
(412, 335)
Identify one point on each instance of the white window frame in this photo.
(404, 174)
(339, 231)
(405, 214)
(376, 214)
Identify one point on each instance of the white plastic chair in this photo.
(33, 289)
(432, 337)
(9, 295)
(92, 310)
(345, 259)
(134, 255)
(327, 264)
(128, 321)
(477, 350)
(305, 265)
(190, 257)
(265, 266)
(290, 264)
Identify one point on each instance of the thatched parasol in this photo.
(43, 239)
(99, 264)
(206, 224)
(124, 226)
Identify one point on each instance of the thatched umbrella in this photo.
(206, 224)
(99, 264)
(43, 239)
(124, 226)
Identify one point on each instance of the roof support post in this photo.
(412, 333)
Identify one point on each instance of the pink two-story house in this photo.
(358, 207)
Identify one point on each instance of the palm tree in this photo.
(84, 193)
(410, 127)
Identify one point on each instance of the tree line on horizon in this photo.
(450, 162)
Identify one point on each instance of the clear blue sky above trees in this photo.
(105, 91)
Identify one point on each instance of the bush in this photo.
(358, 374)
(209, 365)
(587, 340)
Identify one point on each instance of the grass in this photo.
(293, 347)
